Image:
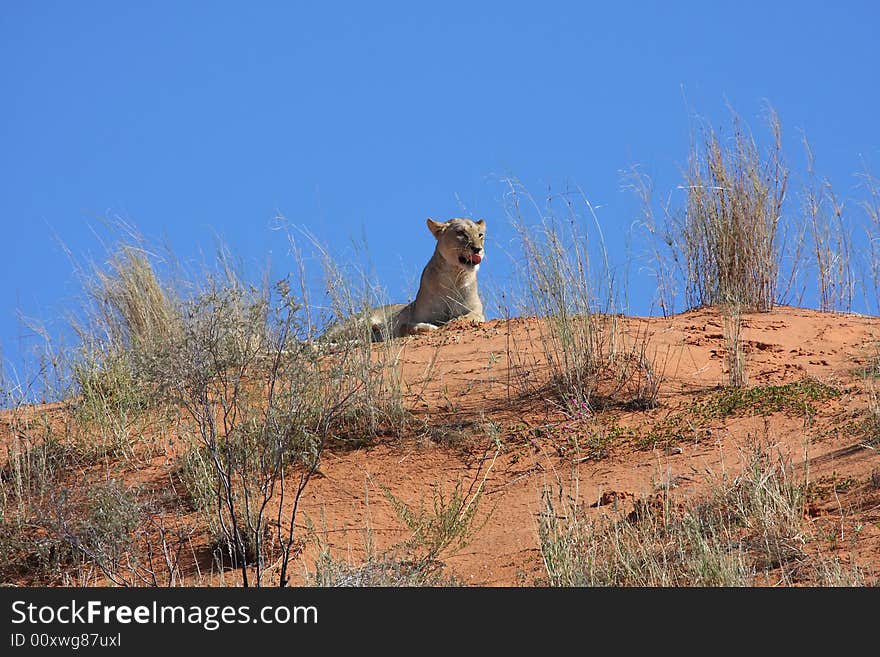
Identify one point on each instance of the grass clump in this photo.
(728, 237)
(128, 301)
(593, 359)
(113, 410)
(36, 465)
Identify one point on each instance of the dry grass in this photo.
(133, 305)
(658, 263)
(871, 207)
(593, 360)
(728, 237)
(225, 366)
(750, 529)
(830, 240)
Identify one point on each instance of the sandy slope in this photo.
(473, 378)
(474, 422)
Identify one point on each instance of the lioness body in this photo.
(447, 288)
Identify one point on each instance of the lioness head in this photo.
(460, 241)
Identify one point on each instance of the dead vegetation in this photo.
(750, 529)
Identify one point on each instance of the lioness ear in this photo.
(481, 223)
(436, 227)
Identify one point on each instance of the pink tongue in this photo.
(476, 258)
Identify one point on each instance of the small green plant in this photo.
(436, 532)
(682, 426)
(794, 397)
(447, 526)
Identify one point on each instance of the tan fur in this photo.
(448, 287)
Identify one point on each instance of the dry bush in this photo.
(102, 528)
(260, 412)
(727, 240)
(52, 525)
(229, 367)
(261, 402)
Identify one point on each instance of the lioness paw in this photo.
(422, 327)
(469, 319)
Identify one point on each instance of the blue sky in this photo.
(198, 120)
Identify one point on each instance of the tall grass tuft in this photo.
(830, 240)
(728, 236)
(129, 305)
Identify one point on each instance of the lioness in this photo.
(447, 291)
